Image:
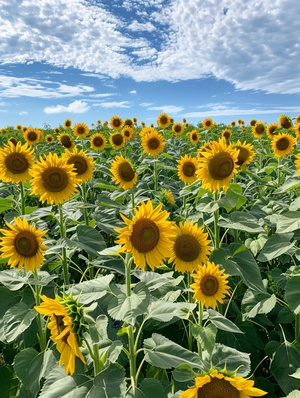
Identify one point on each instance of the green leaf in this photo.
(92, 290)
(183, 373)
(292, 296)
(6, 203)
(255, 303)
(294, 394)
(276, 245)
(152, 388)
(90, 240)
(222, 323)
(205, 335)
(8, 382)
(165, 311)
(17, 319)
(231, 359)
(291, 183)
(240, 221)
(109, 383)
(164, 353)
(129, 308)
(288, 222)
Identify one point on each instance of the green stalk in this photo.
(200, 319)
(84, 199)
(64, 251)
(42, 332)
(297, 328)
(22, 194)
(216, 226)
(190, 300)
(155, 175)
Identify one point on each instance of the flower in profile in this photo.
(186, 169)
(116, 122)
(147, 236)
(80, 130)
(285, 122)
(216, 384)
(190, 247)
(258, 129)
(83, 164)
(153, 143)
(15, 162)
(98, 141)
(177, 128)
(68, 123)
(32, 136)
(163, 120)
(246, 153)
(207, 123)
(226, 133)
(117, 140)
(217, 166)
(66, 140)
(167, 197)
(272, 129)
(283, 144)
(22, 244)
(194, 136)
(53, 179)
(66, 325)
(210, 285)
(123, 172)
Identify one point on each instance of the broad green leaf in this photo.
(276, 245)
(90, 239)
(17, 319)
(13, 279)
(255, 303)
(293, 394)
(8, 299)
(154, 281)
(152, 388)
(8, 382)
(205, 335)
(6, 203)
(288, 222)
(296, 374)
(231, 359)
(222, 323)
(292, 296)
(183, 373)
(285, 360)
(109, 383)
(110, 251)
(164, 353)
(240, 221)
(129, 308)
(92, 290)
(165, 311)
(291, 183)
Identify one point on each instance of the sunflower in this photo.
(80, 130)
(177, 128)
(233, 123)
(207, 123)
(217, 166)
(246, 153)
(13, 140)
(163, 120)
(53, 179)
(66, 140)
(98, 141)
(67, 123)
(128, 132)
(32, 136)
(83, 164)
(153, 143)
(241, 122)
(18, 127)
(147, 236)
(285, 122)
(128, 123)
(216, 384)
(194, 136)
(226, 133)
(210, 285)
(297, 119)
(297, 162)
(22, 244)
(15, 162)
(190, 247)
(56, 130)
(271, 129)
(258, 129)
(204, 148)
(186, 169)
(123, 172)
(252, 122)
(117, 140)
(297, 130)
(49, 138)
(66, 327)
(283, 144)
(116, 122)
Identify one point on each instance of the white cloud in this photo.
(132, 92)
(73, 107)
(166, 108)
(136, 26)
(114, 104)
(22, 113)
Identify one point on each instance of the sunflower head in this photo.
(285, 122)
(80, 130)
(116, 122)
(272, 129)
(246, 153)
(98, 141)
(67, 123)
(177, 128)
(186, 169)
(194, 136)
(83, 164)
(66, 140)
(258, 129)
(123, 172)
(49, 138)
(153, 143)
(283, 144)
(207, 123)
(128, 132)
(226, 133)
(210, 285)
(32, 136)
(117, 140)
(163, 120)
(13, 140)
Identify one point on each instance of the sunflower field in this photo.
(150, 261)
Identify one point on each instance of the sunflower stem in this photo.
(190, 300)
(216, 226)
(84, 199)
(200, 319)
(297, 329)
(22, 194)
(64, 251)
(42, 332)
(155, 175)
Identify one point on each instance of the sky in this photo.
(89, 60)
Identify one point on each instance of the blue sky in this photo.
(89, 60)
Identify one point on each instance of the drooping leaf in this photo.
(222, 323)
(109, 383)
(17, 319)
(231, 359)
(92, 290)
(241, 221)
(276, 245)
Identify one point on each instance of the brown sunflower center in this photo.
(117, 139)
(194, 137)
(16, 163)
(163, 120)
(218, 388)
(226, 135)
(98, 141)
(242, 156)
(80, 130)
(68, 123)
(66, 141)
(145, 235)
(259, 129)
(282, 144)
(221, 166)
(209, 285)
(177, 129)
(32, 136)
(153, 143)
(208, 123)
(54, 179)
(117, 123)
(187, 248)
(189, 169)
(26, 244)
(126, 172)
(79, 163)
